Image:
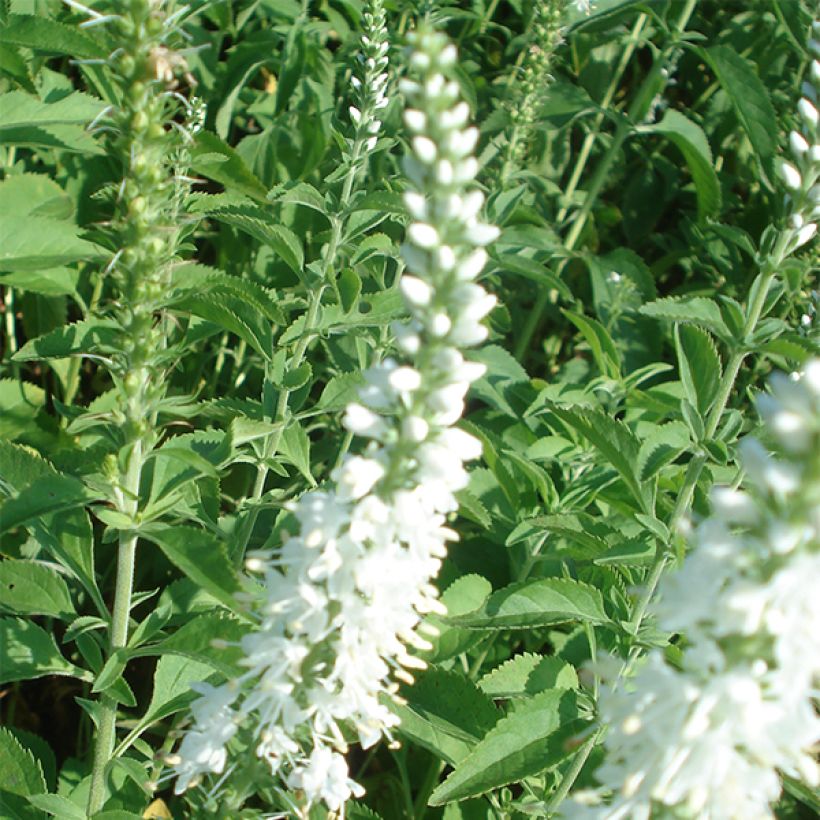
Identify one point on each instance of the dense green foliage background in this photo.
(630, 163)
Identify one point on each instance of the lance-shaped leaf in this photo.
(531, 604)
(531, 739)
(28, 651)
(201, 556)
(446, 713)
(97, 337)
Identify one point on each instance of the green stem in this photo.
(637, 111)
(280, 414)
(589, 139)
(106, 729)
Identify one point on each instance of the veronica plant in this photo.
(712, 732)
(343, 595)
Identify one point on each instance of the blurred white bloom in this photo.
(339, 603)
(710, 739)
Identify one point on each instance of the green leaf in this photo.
(295, 447)
(340, 391)
(445, 713)
(28, 651)
(696, 311)
(531, 739)
(613, 439)
(532, 270)
(44, 35)
(699, 366)
(20, 402)
(201, 556)
(49, 494)
(531, 604)
(58, 806)
(94, 337)
(201, 280)
(34, 195)
(465, 594)
(32, 588)
(172, 687)
(528, 674)
(20, 777)
(600, 343)
(577, 529)
(750, 99)
(350, 287)
(35, 242)
(21, 110)
(233, 314)
(216, 160)
(662, 446)
(690, 139)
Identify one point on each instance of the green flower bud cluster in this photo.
(148, 225)
(545, 38)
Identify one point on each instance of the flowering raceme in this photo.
(340, 601)
(710, 739)
(800, 176)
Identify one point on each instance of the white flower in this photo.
(341, 601)
(710, 739)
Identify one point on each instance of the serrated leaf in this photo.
(750, 99)
(575, 528)
(302, 193)
(18, 109)
(58, 806)
(233, 314)
(94, 337)
(46, 495)
(201, 556)
(19, 404)
(662, 446)
(528, 674)
(45, 35)
(531, 604)
(28, 651)
(340, 391)
(612, 438)
(172, 686)
(200, 279)
(695, 310)
(699, 366)
(528, 741)
(600, 343)
(446, 713)
(20, 777)
(34, 195)
(464, 595)
(295, 447)
(36, 242)
(216, 160)
(31, 588)
(632, 553)
(690, 139)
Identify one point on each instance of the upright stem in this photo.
(637, 110)
(118, 635)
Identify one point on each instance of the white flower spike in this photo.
(339, 601)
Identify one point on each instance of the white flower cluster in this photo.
(801, 175)
(340, 601)
(371, 87)
(710, 738)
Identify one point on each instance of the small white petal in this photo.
(423, 235)
(405, 379)
(425, 149)
(416, 291)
